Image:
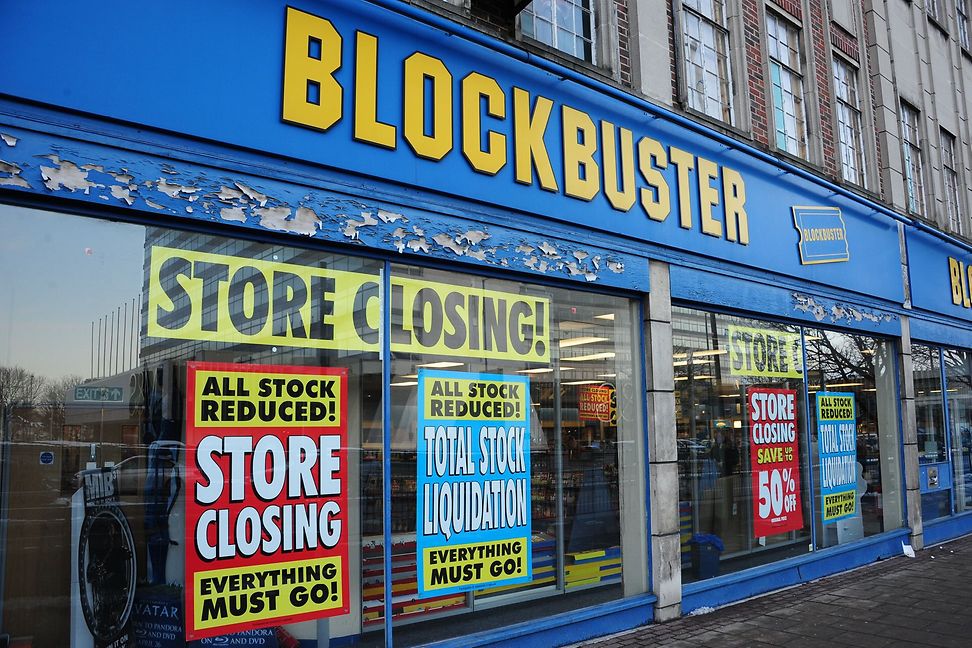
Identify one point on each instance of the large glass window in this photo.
(572, 354)
(122, 346)
(786, 80)
(743, 488)
(932, 441)
(708, 77)
(198, 420)
(958, 381)
(854, 436)
(962, 19)
(756, 428)
(850, 134)
(567, 25)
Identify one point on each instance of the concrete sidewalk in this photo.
(922, 601)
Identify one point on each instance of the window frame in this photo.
(592, 11)
(689, 9)
(855, 111)
(950, 183)
(794, 78)
(912, 163)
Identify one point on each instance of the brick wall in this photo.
(819, 48)
(752, 29)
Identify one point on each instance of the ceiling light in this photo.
(571, 325)
(831, 386)
(616, 375)
(410, 383)
(605, 316)
(577, 341)
(441, 365)
(582, 382)
(587, 358)
(543, 370)
(709, 352)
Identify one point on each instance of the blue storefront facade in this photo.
(585, 364)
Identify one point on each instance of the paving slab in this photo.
(921, 601)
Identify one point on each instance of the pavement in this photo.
(921, 601)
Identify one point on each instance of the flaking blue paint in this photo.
(163, 185)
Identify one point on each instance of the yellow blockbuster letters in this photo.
(621, 197)
(581, 176)
(475, 88)
(708, 196)
(367, 128)
(656, 198)
(734, 198)
(531, 151)
(684, 162)
(418, 68)
(312, 54)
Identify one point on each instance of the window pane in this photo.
(580, 403)
(743, 498)
(958, 377)
(863, 368)
(96, 379)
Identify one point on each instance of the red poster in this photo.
(266, 496)
(595, 403)
(775, 460)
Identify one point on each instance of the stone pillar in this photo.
(909, 436)
(666, 561)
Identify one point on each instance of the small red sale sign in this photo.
(775, 460)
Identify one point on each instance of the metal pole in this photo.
(386, 447)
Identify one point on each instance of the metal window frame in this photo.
(799, 76)
(723, 29)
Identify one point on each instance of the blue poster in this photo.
(473, 519)
(837, 441)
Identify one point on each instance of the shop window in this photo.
(566, 25)
(108, 336)
(708, 78)
(742, 454)
(958, 381)
(854, 440)
(786, 85)
(850, 133)
(932, 442)
(564, 360)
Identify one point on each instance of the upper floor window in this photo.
(950, 176)
(962, 18)
(850, 134)
(911, 149)
(934, 9)
(567, 25)
(789, 116)
(708, 78)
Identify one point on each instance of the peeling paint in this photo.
(154, 205)
(390, 217)
(276, 218)
(12, 178)
(617, 267)
(252, 194)
(124, 177)
(525, 249)
(227, 194)
(93, 167)
(68, 176)
(449, 243)
(580, 256)
(549, 250)
(351, 227)
(9, 140)
(473, 237)
(122, 193)
(838, 312)
(233, 214)
(173, 190)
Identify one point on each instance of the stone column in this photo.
(666, 562)
(909, 436)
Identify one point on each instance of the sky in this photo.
(60, 273)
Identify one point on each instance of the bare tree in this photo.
(19, 387)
